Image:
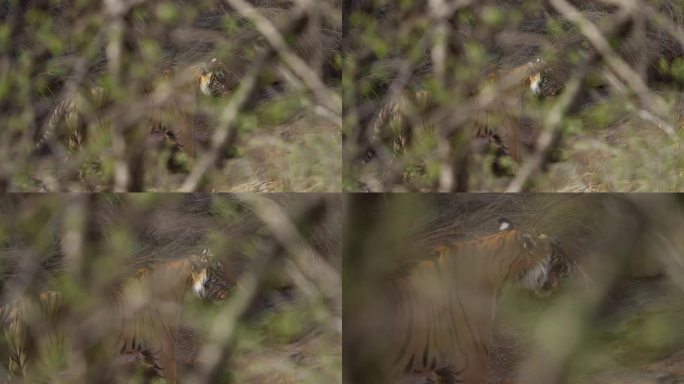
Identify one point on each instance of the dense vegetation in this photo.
(275, 126)
(614, 125)
(280, 324)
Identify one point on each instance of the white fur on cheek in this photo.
(204, 87)
(534, 86)
(536, 276)
(198, 287)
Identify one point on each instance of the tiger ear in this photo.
(206, 255)
(505, 224)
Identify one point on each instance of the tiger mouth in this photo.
(544, 278)
(204, 87)
(552, 282)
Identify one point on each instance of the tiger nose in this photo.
(222, 295)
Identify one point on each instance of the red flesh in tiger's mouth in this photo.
(553, 279)
(551, 284)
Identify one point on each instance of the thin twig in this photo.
(623, 70)
(552, 123)
(225, 135)
(213, 356)
(329, 99)
(310, 262)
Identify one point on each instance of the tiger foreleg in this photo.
(167, 360)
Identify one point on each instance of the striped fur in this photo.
(399, 124)
(69, 120)
(443, 309)
(152, 333)
(68, 125)
(142, 317)
(212, 80)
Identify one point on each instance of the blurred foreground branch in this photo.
(213, 356)
(307, 260)
(623, 70)
(225, 135)
(276, 40)
(553, 122)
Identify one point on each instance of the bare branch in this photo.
(312, 264)
(329, 99)
(226, 134)
(553, 121)
(623, 70)
(222, 333)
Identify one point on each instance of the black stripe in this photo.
(467, 322)
(401, 317)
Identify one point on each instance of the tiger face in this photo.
(545, 266)
(541, 80)
(208, 277)
(212, 80)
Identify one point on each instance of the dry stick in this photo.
(226, 134)
(393, 94)
(128, 152)
(329, 99)
(116, 30)
(447, 174)
(440, 35)
(623, 70)
(212, 357)
(552, 128)
(662, 21)
(307, 260)
(552, 123)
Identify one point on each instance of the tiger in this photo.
(69, 120)
(142, 317)
(401, 124)
(442, 309)
(212, 79)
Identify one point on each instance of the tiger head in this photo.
(541, 79)
(212, 79)
(544, 264)
(209, 280)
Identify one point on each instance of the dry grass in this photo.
(282, 60)
(615, 126)
(86, 245)
(299, 155)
